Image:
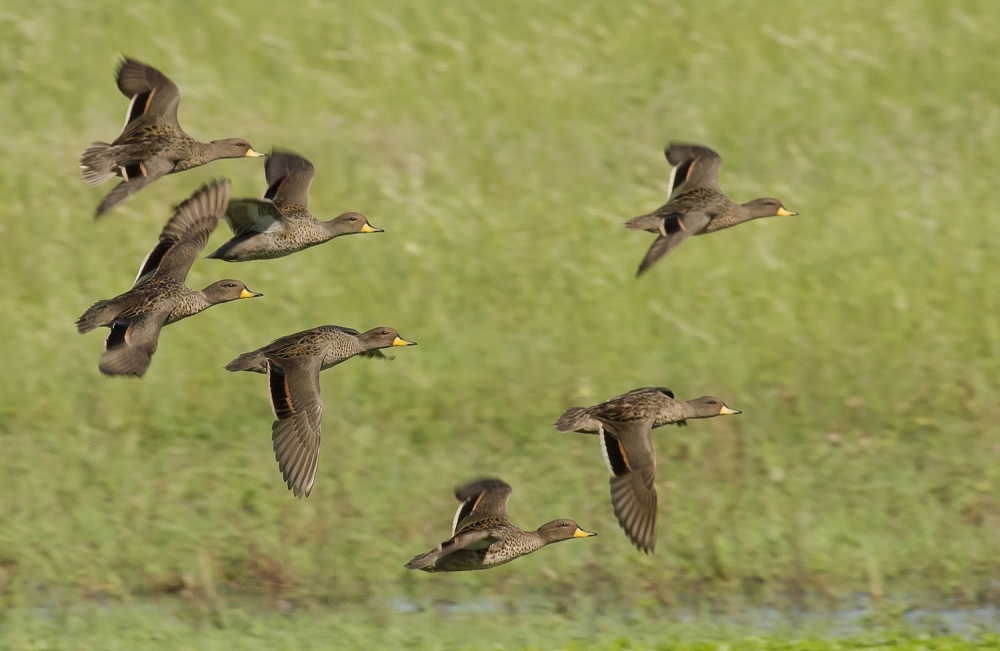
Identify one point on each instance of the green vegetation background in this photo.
(501, 146)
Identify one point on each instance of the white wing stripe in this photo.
(604, 450)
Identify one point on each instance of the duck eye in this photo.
(711, 402)
(354, 219)
(385, 332)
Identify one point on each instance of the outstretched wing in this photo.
(185, 234)
(130, 345)
(151, 94)
(694, 166)
(674, 230)
(628, 452)
(288, 178)
(484, 499)
(253, 216)
(136, 175)
(298, 411)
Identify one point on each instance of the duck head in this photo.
(768, 207)
(562, 530)
(234, 148)
(352, 222)
(383, 337)
(223, 291)
(707, 407)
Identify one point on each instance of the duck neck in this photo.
(692, 410)
(334, 228)
(206, 299)
(737, 214)
(535, 540)
(336, 355)
(210, 150)
(196, 302)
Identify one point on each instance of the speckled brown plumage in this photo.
(280, 224)
(158, 296)
(656, 403)
(695, 204)
(292, 364)
(333, 344)
(152, 143)
(624, 425)
(482, 536)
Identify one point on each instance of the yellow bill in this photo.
(254, 154)
(726, 411)
(399, 341)
(580, 533)
(246, 293)
(785, 213)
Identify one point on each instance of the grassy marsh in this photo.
(501, 147)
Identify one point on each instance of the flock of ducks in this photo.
(152, 144)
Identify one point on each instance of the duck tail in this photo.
(577, 419)
(424, 561)
(253, 361)
(96, 166)
(99, 314)
(649, 222)
(221, 253)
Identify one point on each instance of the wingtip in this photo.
(645, 549)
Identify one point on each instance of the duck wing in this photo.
(245, 216)
(675, 229)
(185, 234)
(293, 386)
(129, 347)
(694, 166)
(136, 175)
(484, 501)
(288, 179)
(152, 95)
(628, 452)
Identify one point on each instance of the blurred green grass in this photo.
(136, 626)
(501, 147)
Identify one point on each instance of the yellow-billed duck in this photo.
(482, 536)
(152, 143)
(695, 203)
